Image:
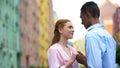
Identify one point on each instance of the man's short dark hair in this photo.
(92, 8)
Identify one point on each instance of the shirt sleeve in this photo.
(53, 59)
(93, 53)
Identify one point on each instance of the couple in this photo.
(100, 46)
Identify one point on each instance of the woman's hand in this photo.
(72, 59)
(73, 56)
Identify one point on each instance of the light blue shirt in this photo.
(100, 48)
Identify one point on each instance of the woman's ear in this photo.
(60, 30)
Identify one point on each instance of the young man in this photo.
(99, 44)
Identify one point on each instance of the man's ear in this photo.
(88, 15)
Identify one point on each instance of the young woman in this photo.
(60, 54)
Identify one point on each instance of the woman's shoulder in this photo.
(53, 47)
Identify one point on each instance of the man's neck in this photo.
(95, 21)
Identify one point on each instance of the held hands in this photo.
(73, 57)
(79, 57)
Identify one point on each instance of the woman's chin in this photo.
(70, 37)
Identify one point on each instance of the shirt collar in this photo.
(98, 25)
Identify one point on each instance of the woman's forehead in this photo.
(68, 24)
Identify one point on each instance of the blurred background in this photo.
(26, 28)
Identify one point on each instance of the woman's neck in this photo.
(63, 42)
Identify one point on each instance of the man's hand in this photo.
(81, 59)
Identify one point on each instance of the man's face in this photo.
(85, 19)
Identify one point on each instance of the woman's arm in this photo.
(54, 60)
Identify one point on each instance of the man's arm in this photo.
(93, 53)
(81, 59)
